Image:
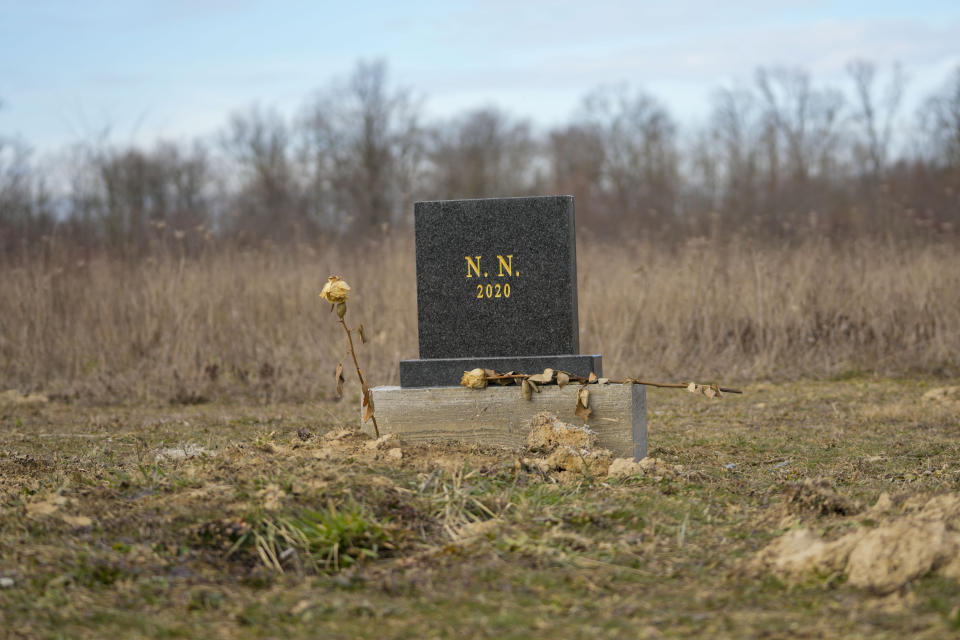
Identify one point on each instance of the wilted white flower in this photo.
(335, 290)
(475, 379)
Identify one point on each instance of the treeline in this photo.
(780, 157)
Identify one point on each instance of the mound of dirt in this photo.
(547, 433)
(349, 443)
(923, 539)
(559, 451)
(820, 497)
(654, 467)
(569, 453)
(563, 451)
(53, 505)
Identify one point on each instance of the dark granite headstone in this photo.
(496, 288)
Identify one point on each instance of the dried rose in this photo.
(475, 379)
(335, 290)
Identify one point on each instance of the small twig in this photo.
(510, 376)
(581, 379)
(671, 385)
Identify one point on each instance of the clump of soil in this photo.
(54, 505)
(923, 539)
(349, 443)
(819, 496)
(559, 451)
(222, 533)
(565, 452)
(569, 453)
(547, 433)
(653, 467)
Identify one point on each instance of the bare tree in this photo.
(940, 118)
(362, 146)
(701, 195)
(928, 186)
(804, 118)
(25, 212)
(739, 138)
(481, 154)
(16, 196)
(268, 200)
(639, 175)
(799, 138)
(875, 114)
(576, 156)
(129, 196)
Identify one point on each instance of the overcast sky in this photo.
(176, 68)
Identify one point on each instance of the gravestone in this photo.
(496, 289)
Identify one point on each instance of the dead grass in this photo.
(249, 325)
(752, 312)
(277, 522)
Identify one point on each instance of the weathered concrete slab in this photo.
(500, 416)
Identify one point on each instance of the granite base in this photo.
(447, 372)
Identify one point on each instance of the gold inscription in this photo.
(473, 266)
(506, 264)
(494, 289)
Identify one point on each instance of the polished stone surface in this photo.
(496, 278)
(532, 304)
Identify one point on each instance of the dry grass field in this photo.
(183, 468)
(233, 324)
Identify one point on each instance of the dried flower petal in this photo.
(475, 379)
(335, 290)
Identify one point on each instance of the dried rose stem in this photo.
(676, 385)
(574, 378)
(356, 364)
